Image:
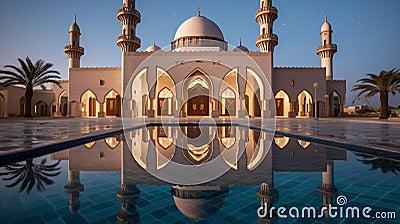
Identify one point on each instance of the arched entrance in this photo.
(282, 104)
(165, 102)
(41, 109)
(165, 93)
(253, 95)
(90, 106)
(112, 103)
(304, 104)
(228, 103)
(63, 103)
(139, 102)
(334, 104)
(199, 89)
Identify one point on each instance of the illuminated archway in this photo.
(139, 104)
(89, 104)
(254, 94)
(112, 103)
(112, 142)
(304, 104)
(304, 144)
(281, 141)
(282, 104)
(166, 93)
(197, 91)
(63, 103)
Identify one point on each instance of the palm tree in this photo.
(385, 165)
(30, 173)
(387, 82)
(30, 76)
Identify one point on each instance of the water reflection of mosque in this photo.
(202, 201)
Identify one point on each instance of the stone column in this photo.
(101, 112)
(292, 112)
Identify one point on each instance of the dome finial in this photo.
(240, 42)
(325, 17)
(74, 18)
(198, 10)
(154, 42)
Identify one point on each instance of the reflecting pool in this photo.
(113, 180)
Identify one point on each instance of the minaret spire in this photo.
(129, 18)
(198, 10)
(327, 49)
(265, 17)
(73, 49)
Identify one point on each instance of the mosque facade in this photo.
(198, 75)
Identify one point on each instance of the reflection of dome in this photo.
(199, 202)
(199, 26)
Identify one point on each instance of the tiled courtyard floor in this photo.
(18, 135)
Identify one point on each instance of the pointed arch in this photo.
(304, 104)
(282, 103)
(281, 141)
(112, 142)
(254, 94)
(89, 104)
(112, 103)
(165, 92)
(62, 103)
(196, 92)
(137, 99)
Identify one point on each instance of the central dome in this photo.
(199, 26)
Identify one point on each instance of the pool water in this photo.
(106, 182)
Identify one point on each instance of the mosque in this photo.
(199, 75)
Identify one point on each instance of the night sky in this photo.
(366, 31)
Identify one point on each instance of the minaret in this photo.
(265, 17)
(129, 18)
(327, 189)
(327, 49)
(73, 50)
(73, 188)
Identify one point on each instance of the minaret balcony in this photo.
(128, 38)
(70, 48)
(128, 11)
(327, 47)
(267, 10)
(267, 37)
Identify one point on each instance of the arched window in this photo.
(263, 31)
(262, 4)
(124, 32)
(131, 32)
(324, 42)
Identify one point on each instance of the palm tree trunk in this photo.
(384, 98)
(28, 102)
